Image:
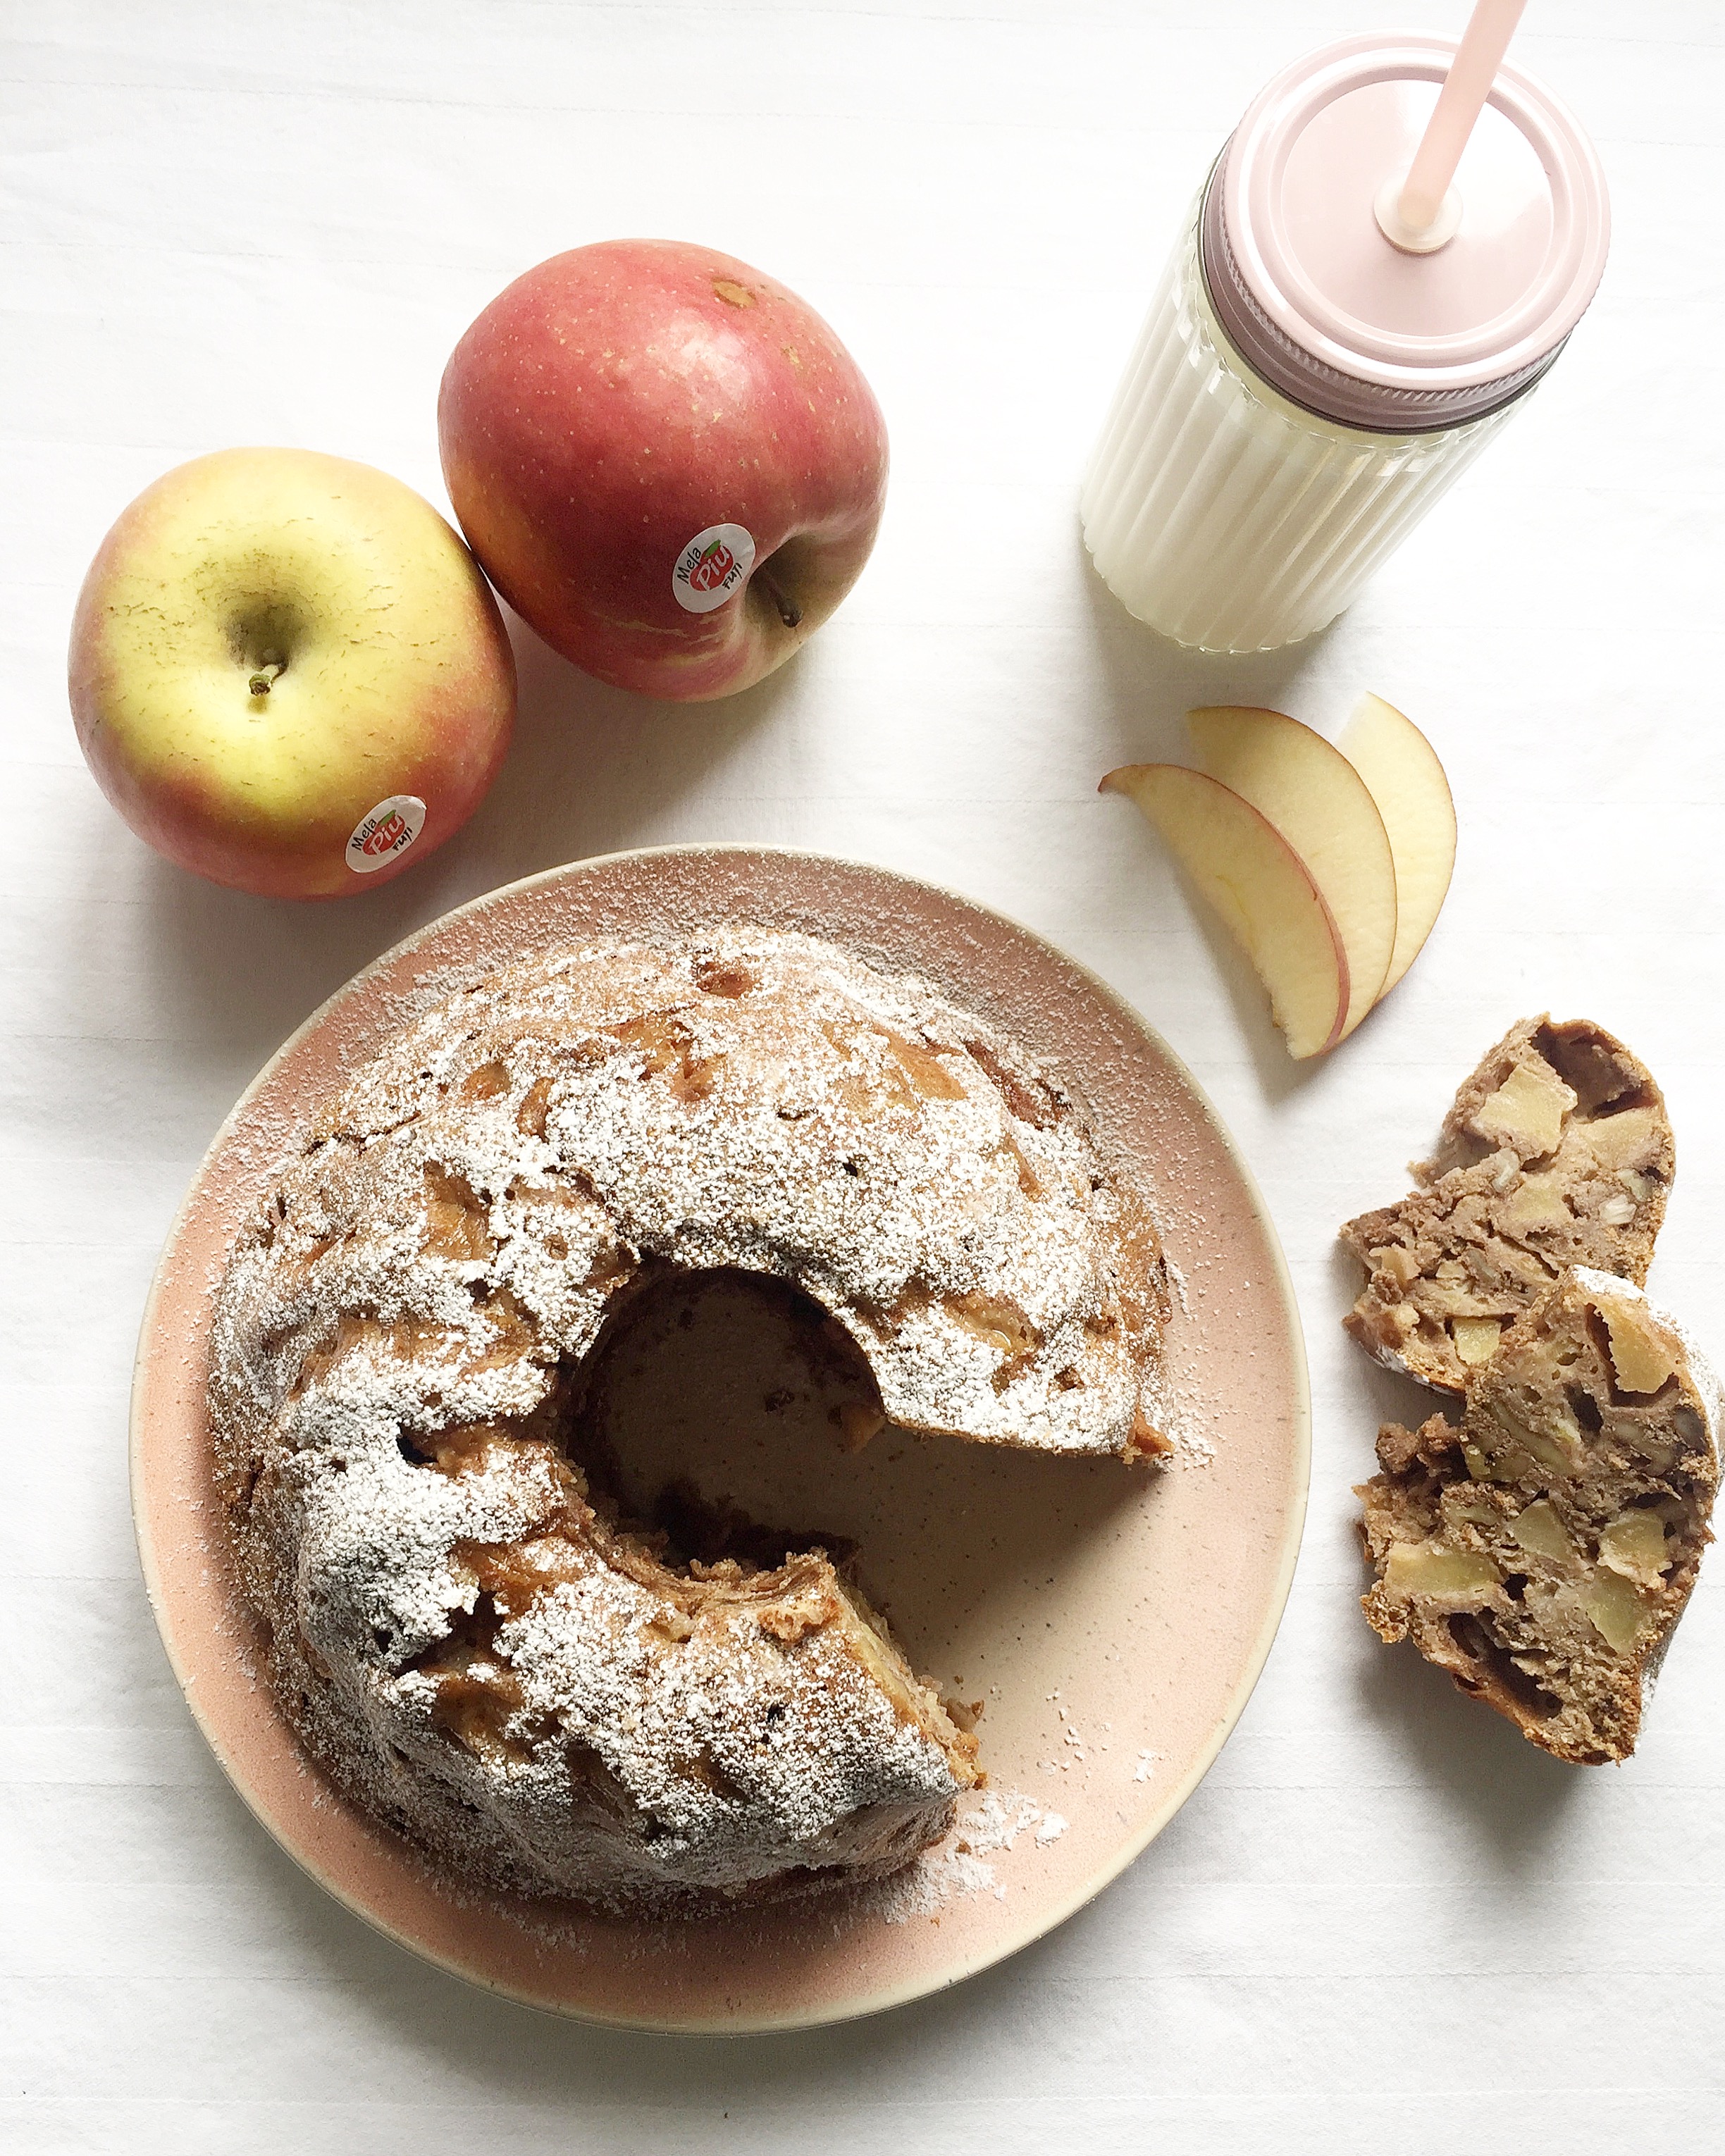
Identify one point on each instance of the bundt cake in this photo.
(463, 1626)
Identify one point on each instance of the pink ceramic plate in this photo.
(1113, 1622)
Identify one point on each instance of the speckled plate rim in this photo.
(1013, 1936)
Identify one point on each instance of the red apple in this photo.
(667, 463)
(288, 674)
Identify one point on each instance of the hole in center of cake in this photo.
(723, 1407)
(716, 1406)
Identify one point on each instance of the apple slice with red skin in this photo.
(1243, 868)
(1408, 784)
(617, 418)
(1322, 807)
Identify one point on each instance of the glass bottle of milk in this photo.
(1313, 375)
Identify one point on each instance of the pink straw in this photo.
(1459, 103)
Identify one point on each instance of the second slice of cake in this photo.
(1558, 1151)
(1542, 1551)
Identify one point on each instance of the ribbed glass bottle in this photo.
(1225, 515)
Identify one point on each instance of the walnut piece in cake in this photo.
(1558, 1151)
(1542, 1551)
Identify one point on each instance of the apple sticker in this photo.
(385, 831)
(711, 566)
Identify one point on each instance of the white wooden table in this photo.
(1384, 1922)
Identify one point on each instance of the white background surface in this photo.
(1384, 1922)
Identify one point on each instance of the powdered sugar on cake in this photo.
(460, 1628)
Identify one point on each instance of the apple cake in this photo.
(1556, 1153)
(463, 1625)
(1543, 1550)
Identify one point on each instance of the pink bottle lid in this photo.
(1328, 309)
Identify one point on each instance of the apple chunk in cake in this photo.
(1542, 1551)
(1558, 1151)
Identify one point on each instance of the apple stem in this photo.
(260, 683)
(789, 614)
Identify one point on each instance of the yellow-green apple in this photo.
(1407, 781)
(1325, 810)
(288, 674)
(668, 464)
(1243, 866)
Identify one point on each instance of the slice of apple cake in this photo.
(1542, 1551)
(1558, 1151)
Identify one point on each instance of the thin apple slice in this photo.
(1412, 795)
(1324, 810)
(1243, 866)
